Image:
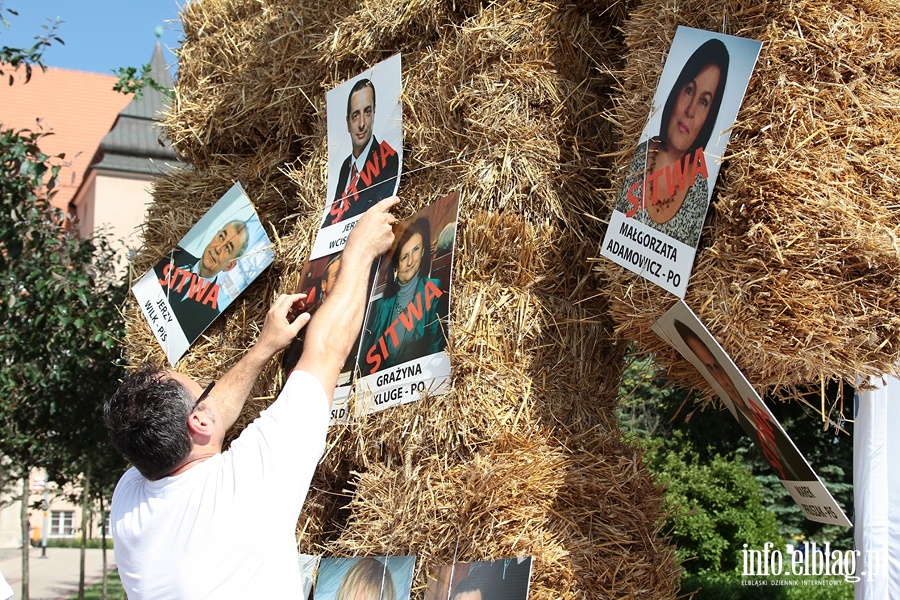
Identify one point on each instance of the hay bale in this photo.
(503, 101)
(524, 495)
(798, 265)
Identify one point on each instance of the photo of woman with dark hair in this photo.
(667, 185)
(405, 322)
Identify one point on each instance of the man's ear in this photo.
(230, 266)
(200, 423)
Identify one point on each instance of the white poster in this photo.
(365, 150)
(212, 264)
(402, 354)
(655, 227)
(681, 328)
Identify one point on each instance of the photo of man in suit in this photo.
(199, 277)
(370, 172)
(777, 448)
(191, 283)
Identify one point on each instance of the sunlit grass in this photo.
(114, 590)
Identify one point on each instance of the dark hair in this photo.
(423, 228)
(330, 264)
(147, 421)
(688, 334)
(362, 83)
(712, 52)
(475, 581)
(367, 574)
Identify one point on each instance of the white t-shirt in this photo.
(225, 527)
(6, 592)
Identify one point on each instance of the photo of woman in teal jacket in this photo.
(406, 322)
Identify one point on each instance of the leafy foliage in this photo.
(10, 484)
(133, 82)
(715, 505)
(58, 304)
(27, 57)
(647, 404)
(59, 307)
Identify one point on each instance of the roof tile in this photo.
(79, 109)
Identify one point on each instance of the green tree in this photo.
(647, 404)
(714, 503)
(59, 306)
(61, 324)
(26, 57)
(60, 315)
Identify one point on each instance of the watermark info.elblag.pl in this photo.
(808, 563)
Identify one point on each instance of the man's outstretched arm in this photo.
(337, 323)
(233, 388)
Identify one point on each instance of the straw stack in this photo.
(503, 102)
(797, 271)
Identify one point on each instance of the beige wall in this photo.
(10, 530)
(118, 203)
(10, 515)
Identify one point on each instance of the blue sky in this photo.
(100, 35)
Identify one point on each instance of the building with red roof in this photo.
(110, 141)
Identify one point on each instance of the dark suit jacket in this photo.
(377, 181)
(194, 311)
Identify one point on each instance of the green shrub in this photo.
(715, 506)
(73, 543)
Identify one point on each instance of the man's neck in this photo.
(360, 158)
(197, 456)
(198, 269)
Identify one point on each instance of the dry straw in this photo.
(503, 102)
(798, 266)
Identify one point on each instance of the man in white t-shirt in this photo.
(6, 592)
(191, 521)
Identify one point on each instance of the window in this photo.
(62, 523)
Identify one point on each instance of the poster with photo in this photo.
(504, 579)
(655, 226)
(316, 281)
(365, 150)
(402, 353)
(212, 264)
(373, 578)
(681, 328)
(309, 566)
